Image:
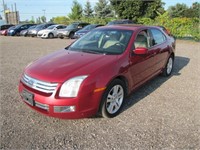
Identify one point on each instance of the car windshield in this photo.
(88, 27)
(103, 41)
(72, 26)
(32, 27)
(39, 26)
(11, 27)
(17, 26)
(51, 27)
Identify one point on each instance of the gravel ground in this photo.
(163, 114)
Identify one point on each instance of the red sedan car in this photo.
(94, 74)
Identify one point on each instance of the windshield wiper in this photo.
(93, 52)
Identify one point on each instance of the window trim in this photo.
(148, 35)
(151, 34)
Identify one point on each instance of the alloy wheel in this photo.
(114, 99)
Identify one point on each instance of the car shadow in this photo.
(152, 85)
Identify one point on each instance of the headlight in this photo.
(11, 30)
(71, 87)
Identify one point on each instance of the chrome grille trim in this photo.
(42, 106)
(41, 86)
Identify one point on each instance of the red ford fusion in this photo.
(94, 74)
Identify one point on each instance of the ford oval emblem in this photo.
(31, 82)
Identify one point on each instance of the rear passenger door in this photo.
(160, 48)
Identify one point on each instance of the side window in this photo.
(158, 37)
(24, 27)
(142, 40)
(59, 27)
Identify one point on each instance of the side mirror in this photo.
(140, 51)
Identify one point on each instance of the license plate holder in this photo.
(28, 97)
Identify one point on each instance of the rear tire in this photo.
(167, 71)
(17, 34)
(113, 99)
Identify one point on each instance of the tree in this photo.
(196, 8)
(102, 9)
(179, 10)
(88, 10)
(194, 11)
(60, 20)
(43, 19)
(38, 20)
(129, 9)
(76, 11)
(151, 9)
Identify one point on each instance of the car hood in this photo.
(64, 64)
(23, 31)
(45, 30)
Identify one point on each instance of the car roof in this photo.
(127, 26)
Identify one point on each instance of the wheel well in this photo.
(122, 78)
(71, 32)
(172, 54)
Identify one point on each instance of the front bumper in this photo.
(11, 33)
(32, 33)
(44, 35)
(85, 105)
(77, 36)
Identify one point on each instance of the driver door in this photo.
(142, 66)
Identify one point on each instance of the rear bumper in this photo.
(62, 35)
(85, 105)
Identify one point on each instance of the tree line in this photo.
(127, 9)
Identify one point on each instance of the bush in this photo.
(179, 27)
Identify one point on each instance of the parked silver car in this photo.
(51, 31)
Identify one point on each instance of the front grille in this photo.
(41, 86)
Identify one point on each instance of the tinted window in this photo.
(51, 27)
(61, 27)
(158, 37)
(72, 26)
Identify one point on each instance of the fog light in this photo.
(63, 109)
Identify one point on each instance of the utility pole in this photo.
(44, 12)
(16, 14)
(44, 15)
(4, 11)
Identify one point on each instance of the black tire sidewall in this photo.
(103, 111)
(50, 35)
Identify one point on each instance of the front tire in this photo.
(50, 35)
(113, 98)
(71, 35)
(167, 71)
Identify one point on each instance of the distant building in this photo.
(12, 17)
